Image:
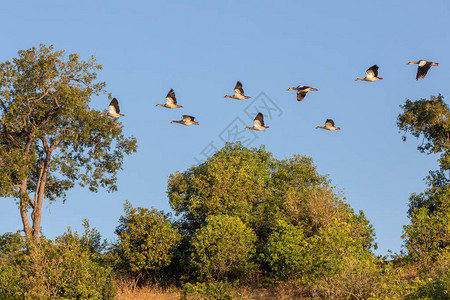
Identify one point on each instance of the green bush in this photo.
(53, 271)
(437, 288)
(147, 242)
(223, 248)
(10, 243)
(363, 277)
(284, 252)
(217, 290)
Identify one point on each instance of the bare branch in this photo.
(54, 144)
(44, 142)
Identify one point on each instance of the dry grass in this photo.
(147, 293)
(127, 291)
(280, 293)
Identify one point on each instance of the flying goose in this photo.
(423, 68)
(114, 110)
(187, 120)
(258, 123)
(302, 90)
(329, 125)
(238, 92)
(171, 100)
(371, 74)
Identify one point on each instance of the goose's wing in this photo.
(238, 89)
(114, 106)
(301, 94)
(188, 118)
(170, 98)
(259, 120)
(372, 71)
(329, 123)
(423, 70)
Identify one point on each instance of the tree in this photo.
(50, 138)
(260, 190)
(223, 247)
(232, 182)
(428, 235)
(284, 202)
(147, 241)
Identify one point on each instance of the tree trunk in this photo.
(24, 198)
(37, 210)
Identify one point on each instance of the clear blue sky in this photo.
(201, 48)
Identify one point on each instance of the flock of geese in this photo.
(258, 122)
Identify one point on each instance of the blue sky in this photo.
(201, 48)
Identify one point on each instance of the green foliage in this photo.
(303, 228)
(53, 271)
(223, 248)
(428, 235)
(218, 290)
(10, 243)
(147, 241)
(89, 242)
(430, 119)
(51, 139)
(363, 278)
(231, 182)
(437, 288)
(284, 252)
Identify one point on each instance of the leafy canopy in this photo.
(223, 247)
(428, 235)
(146, 242)
(302, 227)
(50, 138)
(45, 115)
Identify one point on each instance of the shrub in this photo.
(284, 252)
(213, 290)
(147, 241)
(431, 288)
(60, 270)
(223, 248)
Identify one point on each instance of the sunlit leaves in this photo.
(45, 115)
(223, 247)
(428, 236)
(146, 240)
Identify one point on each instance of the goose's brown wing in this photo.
(329, 122)
(170, 98)
(372, 71)
(188, 118)
(301, 94)
(259, 120)
(114, 106)
(238, 89)
(423, 70)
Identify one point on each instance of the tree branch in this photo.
(9, 136)
(48, 117)
(38, 183)
(54, 144)
(46, 91)
(44, 142)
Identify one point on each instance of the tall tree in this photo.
(283, 202)
(259, 189)
(50, 138)
(428, 235)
